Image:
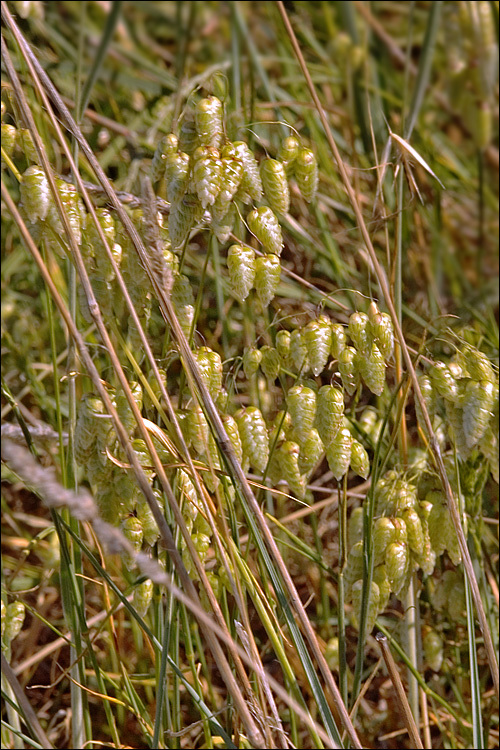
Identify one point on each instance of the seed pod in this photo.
(288, 460)
(254, 438)
(353, 570)
(283, 346)
(176, 175)
(233, 434)
(9, 135)
(142, 597)
(477, 405)
(397, 563)
(373, 604)
(265, 226)
(478, 365)
(382, 333)
(414, 530)
(360, 332)
(267, 277)
(270, 363)
(338, 453)
(329, 413)
(443, 381)
(318, 341)
(311, 450)
(433, 650)
(183, 303)
(287, 153)
(301, 404)
(372, 370)
(348, 369)
(306, 173)
(223, 227)
(241, 267)
(339, 340)
(251, 183)
(274, 182)
(14, 620)
(35, 194)
(167, 145)
(360, 461)
(384, 587)
(132, 530)
(298, 351)
(184, 214)
(208, 118)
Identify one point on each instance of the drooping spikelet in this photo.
(241, 267)
(254, 437)
(318, 341)
(275, 184)
(267, 277)
(306, 173)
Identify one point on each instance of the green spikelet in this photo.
(311, 450)
(355, 526)
(298, 351)
(233, 434)
(283, 347)
(397, 562)
(429, 396)
(183, 303)
(301, 405)
(231, 176)
(382, 333)
(360, 461)
(338, 453)
(167, 145)
(478, 365)
(132, 530)
(147, 519)
(143, 595)
(318, 341)
(266, 227)
(288, 459)
(267, 277)
(123, 408)
(306, 173)
(275, 184)
(443, 381)
(414, 530)
(73, 208)
(384, 587)
(9, 135)
(207, 175)
(188, 137)
(287, 154)
(433, 650)
(270, 363)
(373, 604)
(13, 620)
(188, 497)
(223, 227)
(254, 437)
(404, 496)
(210, 364)
(384, 534)
(477, 404)
(208, 119)
(35, 194)
(372, 370)
(329, 413)
(456, 431)
(488, 445)
(184, 215)
(198, 429)
(348, 369)
(427, 560)
(241, 266)
(360, 333)
(339, 340)
(252, 358)
(441, 529)
(251, 184)
(353, 570)
(86, 427)
(176, 175)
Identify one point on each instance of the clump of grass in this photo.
(259, 385)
